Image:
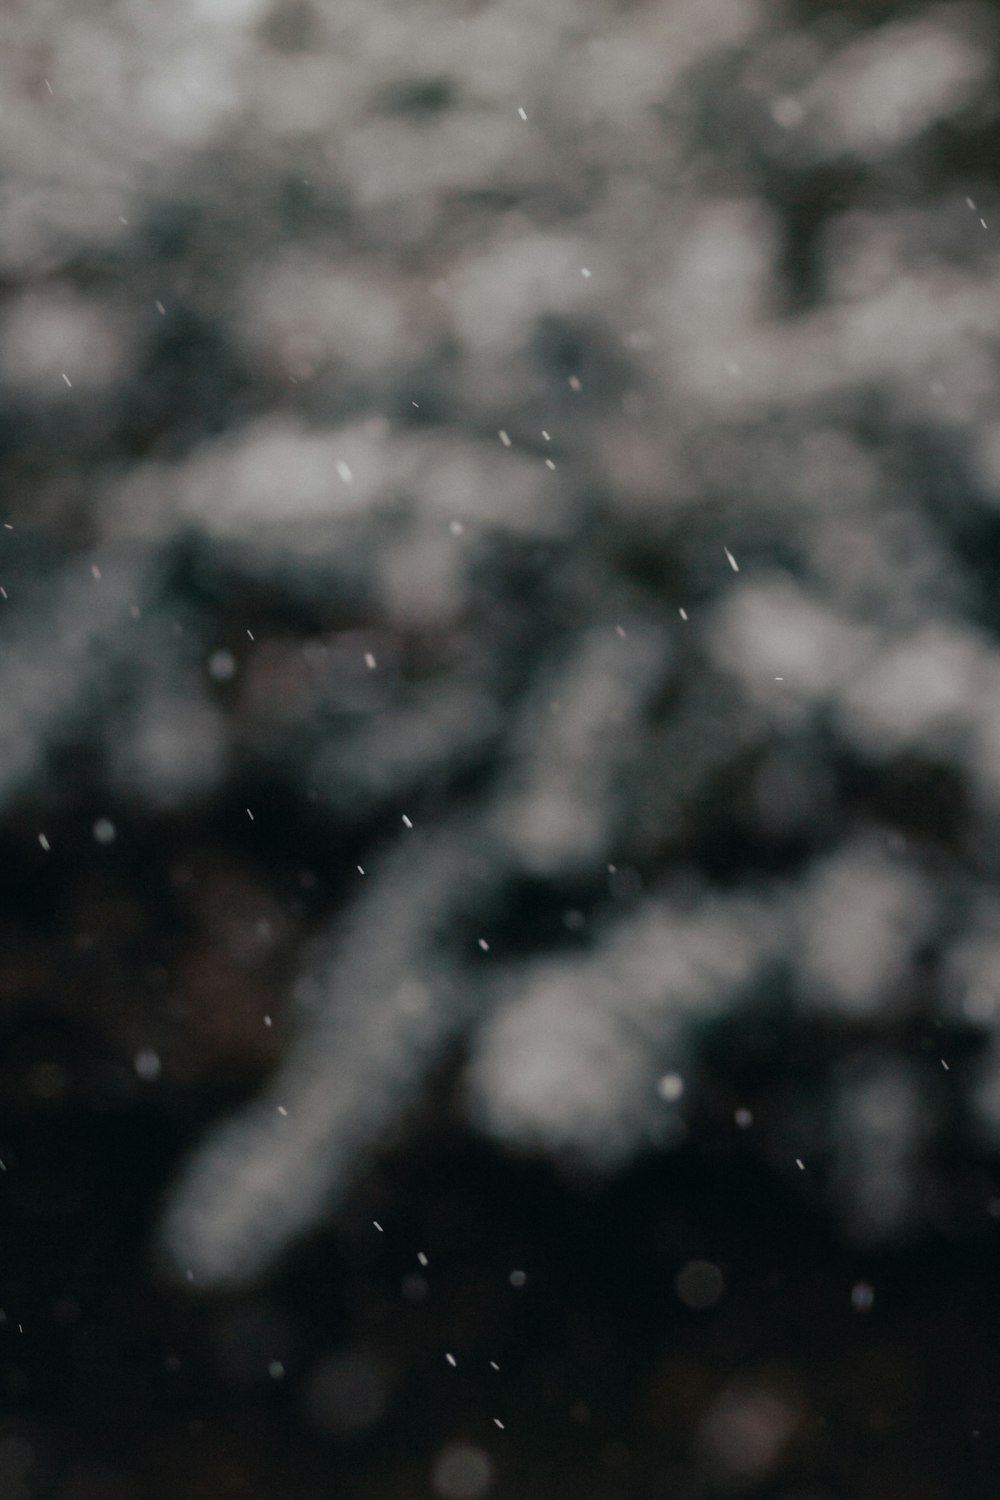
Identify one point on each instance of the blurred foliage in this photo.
(499, 680)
